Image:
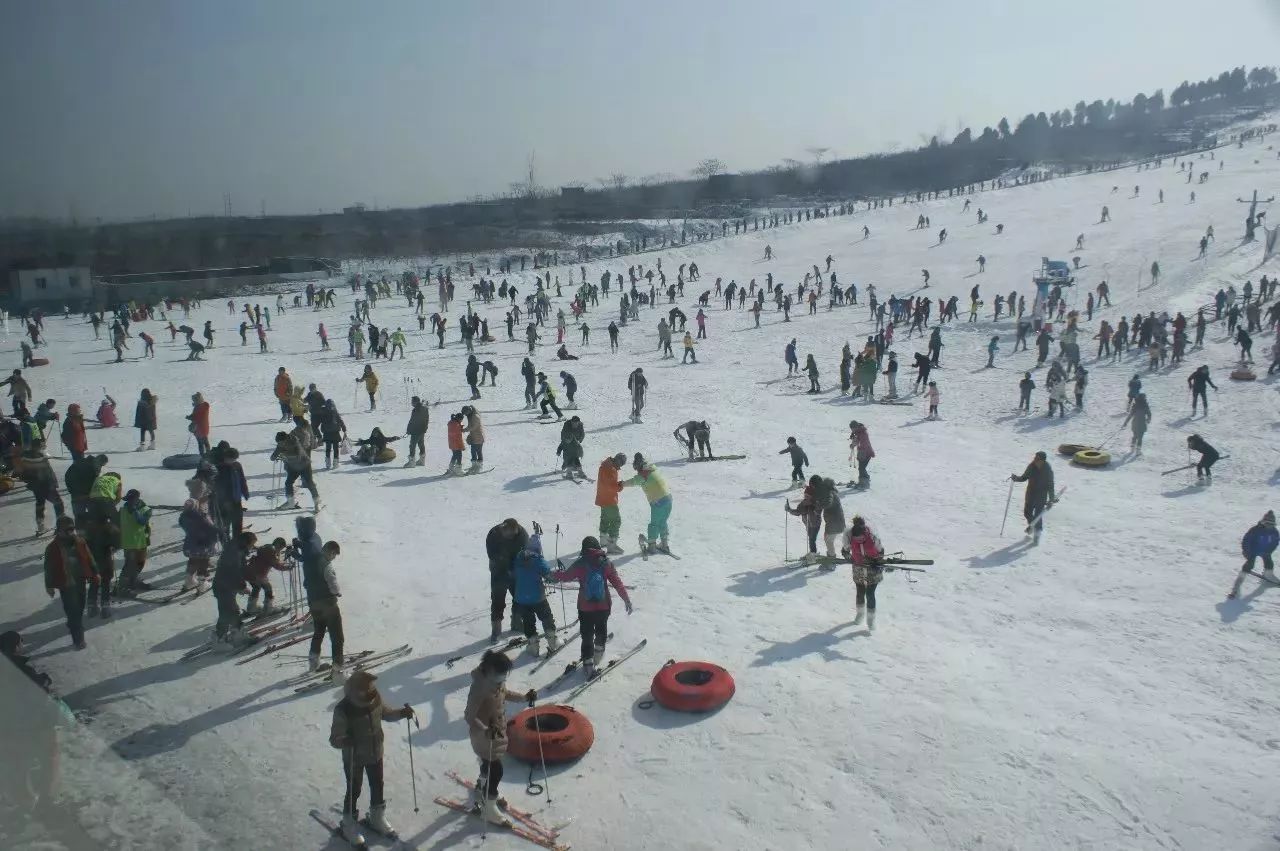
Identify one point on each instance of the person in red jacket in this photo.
(73, 435)
(594, 573)
(866, 555)
(258, 574)
(199, 427)
(69, 569)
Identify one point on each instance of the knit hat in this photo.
(619, 459)
(1269, 518)
(590, 543)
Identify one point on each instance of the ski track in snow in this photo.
(1094, 692)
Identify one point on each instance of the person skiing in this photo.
(416, 429)
(992, 348)
(1198, 381)
(810, 514)
(1025, 386)
(655, 489)
(228, 583)
(529, 605)
(357, 732)
(789, 356)
(502, 544)
(321, 585)
(594, 573)
(1258, 543)
(1140, 417)
(1039, 494)
(135, 539)
(607, 489)
(1208, 456)
(473, 375)
(548, 396)
(69, 570)
(570, 388)
(257, 572)
(486, 719)
(474, 430)
(228, 490)
(638, 385)
(860, 447)
(933, 396)
(866, 559)
(35, 471)
(332, 431)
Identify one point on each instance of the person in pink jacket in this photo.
(866, 555)
(860, 447)
(594, 573)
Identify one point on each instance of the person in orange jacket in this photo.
(608, 487)
(69, 569)
(283, 389)
(199, 417)
(456, 445)
(73, 435)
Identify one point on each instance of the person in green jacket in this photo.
(397, 344)
(135, 538)
(655, 490)
(865, 376)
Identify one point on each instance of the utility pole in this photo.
(1254, 218)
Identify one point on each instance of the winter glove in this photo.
(531, 695)
(630, 608)
(408, 711)
(342, 742)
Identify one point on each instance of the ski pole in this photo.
(546, 781)
(1007, 502)
(786, 535)
(564, 617)
(413, 778)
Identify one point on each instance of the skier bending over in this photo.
(695, 432)
(1258, 543)
(660, 503)
(1039, 494)
(1208, 456)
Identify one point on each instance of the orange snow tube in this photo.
(692, 686)
(555, 733)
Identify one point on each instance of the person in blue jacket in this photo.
(529, 599)
(1258, 543)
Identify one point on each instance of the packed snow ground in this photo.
(1094, 692)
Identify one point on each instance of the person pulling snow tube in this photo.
(185, 461)
(692, 686)
(1091, 458)
(1070, 449)
(553, 732)
(1240, 373)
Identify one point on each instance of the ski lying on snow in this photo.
(512, 644)
(527, 819)
(161, 599)
(365, 664)
(569, 669)
(518, 829)
(600, 673)
(275, 647)
(719, 458)
(553, 653)
(335, 830)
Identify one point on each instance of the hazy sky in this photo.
(123, 108)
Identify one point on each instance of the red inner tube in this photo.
(565, 734)
(692, 686)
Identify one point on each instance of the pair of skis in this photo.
(525, 823)
(512, 644)
(374, 660)
(644, 549)
(334, 829)
(257, 633)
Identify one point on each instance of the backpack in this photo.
(593, 589)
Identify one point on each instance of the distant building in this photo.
(202, 283)
(69, 284)
(353, 210)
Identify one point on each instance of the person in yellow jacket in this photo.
(655, 490)
(370, 379)
(297, 407)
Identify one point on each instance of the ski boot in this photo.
(476, 466)
(253, 608)
(40, 527)
(871, 620)
(489, 812)
(202, 584)
(611, 545)
(553, 640)
(412, 462)
(152, 444)
(534, 646)
(663, 546)
(142, 446)
(92, 610)
(350, 829)
(105, 611)
(313, 662)
(316, 506)
(189, 583)
(496, 632)
(377, 822)
(288, 504)
(860, 615)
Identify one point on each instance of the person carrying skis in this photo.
(798, 459)
(419, 420)
(1258, 543)
(502, 544)
(486, 720)
(529, 604)
(638, 385)
(357, 732)
(1208, 456)
(594, 573)
(607, 489)
(860, 446)
(658, 494)
(1198, 381)
(1039, 494)
(866, 557)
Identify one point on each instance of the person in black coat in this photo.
(503, 543)
(229, 583)
(1039, 494)
(1208, 456)
(230, 489)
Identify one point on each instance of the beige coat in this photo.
(475, 430)
(357, 727)
(486, 710)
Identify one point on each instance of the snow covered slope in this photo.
(1094, 692)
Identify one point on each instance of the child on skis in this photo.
(258, 574)
(486, 719)
(594, 573)
(357, 732)
(135, 538)
(933, 396)
(529, 596)
(456, 444)
(810, 513)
